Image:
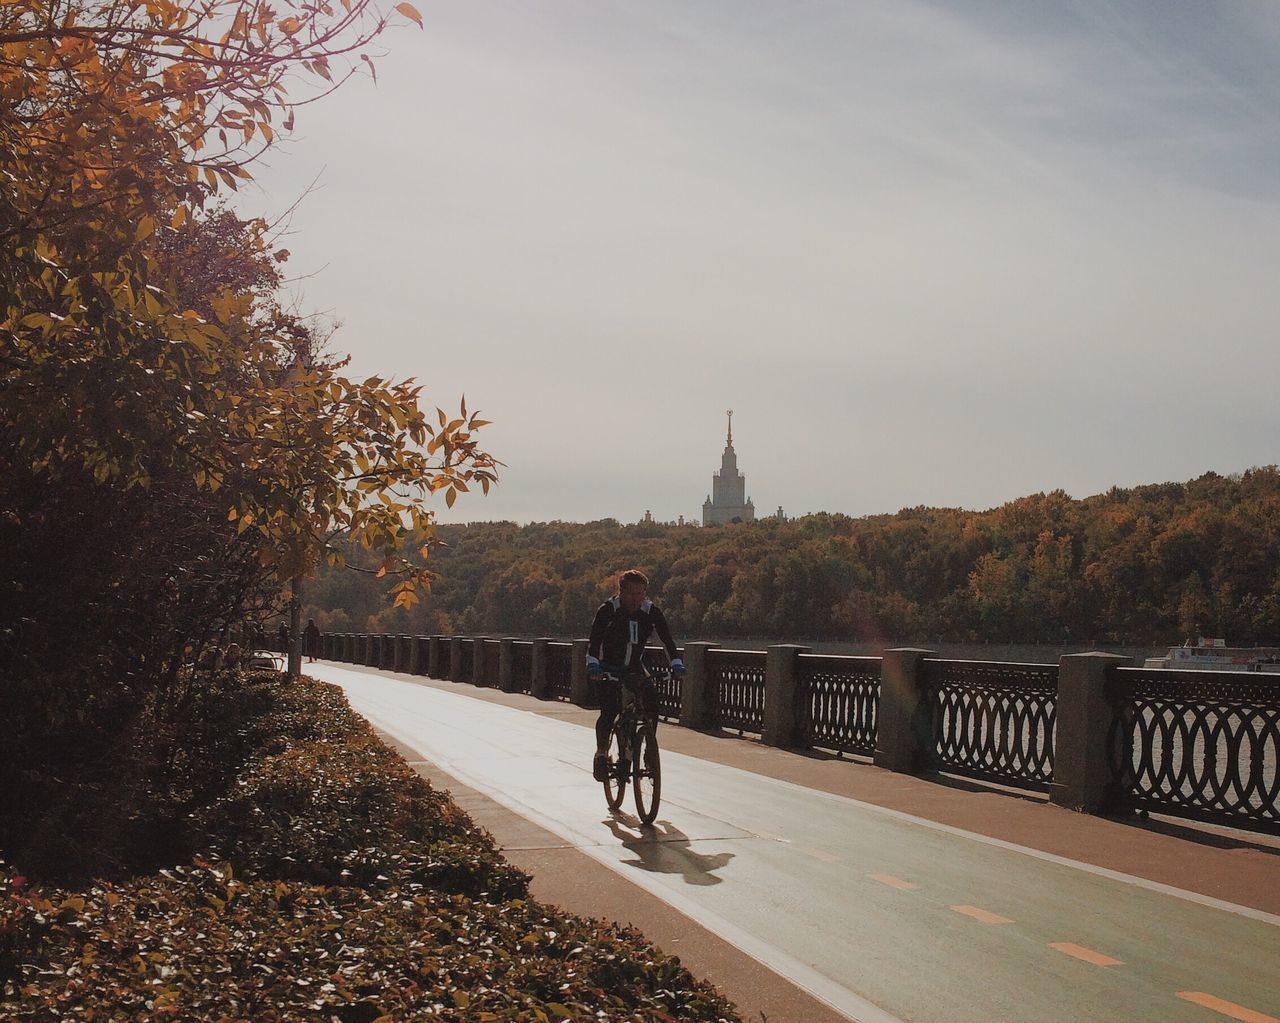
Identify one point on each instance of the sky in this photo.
(938, 254)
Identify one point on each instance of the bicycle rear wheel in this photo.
(646, 773)
(615, 782)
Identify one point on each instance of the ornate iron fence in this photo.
(492, 648)
(559, 669)
(669, 686)
(993, 720)
(1200, 744)
(838, 700)
(522, 665)
(739, 689)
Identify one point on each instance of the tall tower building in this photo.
(727, 501)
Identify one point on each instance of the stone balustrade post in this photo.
(903, 730)
(349, 647)
(362, 648)
(782, 717)
(415, 655)
(698, 688)
(539, 683)
(507, 664)
(579, 683)
(455, 659)
(1082, 775)
(434, 650)
(479, 659)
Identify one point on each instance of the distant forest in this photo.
(1148, 565)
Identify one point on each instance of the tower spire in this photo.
(730, 415)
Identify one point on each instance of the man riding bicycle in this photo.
(619, 632)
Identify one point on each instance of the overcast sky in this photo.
(930, 253)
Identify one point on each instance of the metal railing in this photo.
(738, 688)
(1197, 744)
(992, 719)
(521, 666)
(1200, 744)
(560, 670)
(669, 687)
(838, 701)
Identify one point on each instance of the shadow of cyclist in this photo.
(664, 849)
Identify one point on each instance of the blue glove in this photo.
(677, 666)
(594, 671)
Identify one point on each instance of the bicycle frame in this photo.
(636, 759)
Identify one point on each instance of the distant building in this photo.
(727, 501)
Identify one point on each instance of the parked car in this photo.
(264, 660)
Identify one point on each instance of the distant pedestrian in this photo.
(283, 638)
(231, 659)
(311, 639)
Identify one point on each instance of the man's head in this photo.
(631, 589)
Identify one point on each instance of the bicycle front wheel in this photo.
(646, 773)
(615, 782)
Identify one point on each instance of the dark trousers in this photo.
(610, 695)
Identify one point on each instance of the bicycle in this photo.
(633, 750)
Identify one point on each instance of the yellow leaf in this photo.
(146, 228)
(411, 12)
(179, 217)
(450, 497)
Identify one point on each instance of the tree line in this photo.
(1144, 565)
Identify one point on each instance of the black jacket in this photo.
(618, 638)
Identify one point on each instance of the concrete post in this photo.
(539, 684)
(507, 664)
(362, 648)
(1082, 777)
(902, 720)
(782, 695)
(579, 684)
(434, 644)
(479, 654)
(455, 659)
(698, 688)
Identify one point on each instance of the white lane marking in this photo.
(998, 843)
(823, 988)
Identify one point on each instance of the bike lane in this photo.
(877, 913)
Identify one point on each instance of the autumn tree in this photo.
(175, 441)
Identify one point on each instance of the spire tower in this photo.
(727, 501)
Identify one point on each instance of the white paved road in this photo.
(884, 916)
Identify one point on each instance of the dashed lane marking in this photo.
(981, 914)
(1087, 954)
(894, 882)
(1227, 1008)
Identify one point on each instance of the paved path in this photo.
(876, 913)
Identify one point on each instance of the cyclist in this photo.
(619, 632)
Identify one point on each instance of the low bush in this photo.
(325, 881)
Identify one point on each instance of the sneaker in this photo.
(600, 767)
